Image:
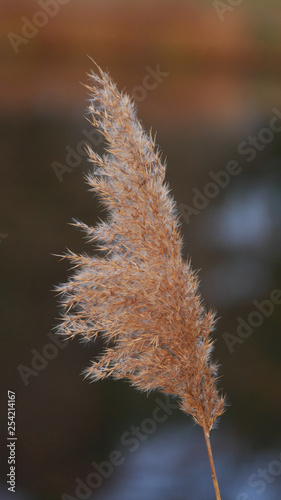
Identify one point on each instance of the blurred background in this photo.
(206, 77)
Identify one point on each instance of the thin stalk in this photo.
(214, 476)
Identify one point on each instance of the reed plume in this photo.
(138, 293)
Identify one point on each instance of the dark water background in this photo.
(222, 87)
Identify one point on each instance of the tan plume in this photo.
(138, 293)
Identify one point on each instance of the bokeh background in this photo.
(220, 80)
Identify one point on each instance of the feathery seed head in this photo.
(139, 294)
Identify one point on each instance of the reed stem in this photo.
(214, 476)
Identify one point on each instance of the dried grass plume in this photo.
(138, 293)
